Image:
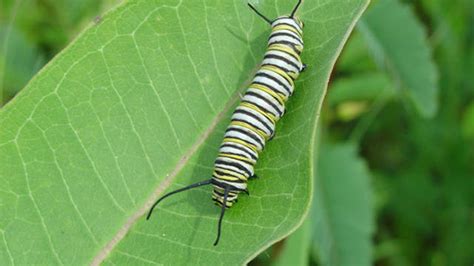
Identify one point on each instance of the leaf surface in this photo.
(343, 216)
(398, 41)
(138, 105)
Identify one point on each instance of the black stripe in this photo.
(265, 75)
(262, 108)
(267, 101)
(240, 148)
(289, 44)
(279, 57)
(249, 134)
(228, 168)
(244, 112)
(287, 34)
(234, 193)
(248, 123)
(275, 106)
(222, 185)
(237, 164)
(267, 86)
(233, 153)
(277, 66)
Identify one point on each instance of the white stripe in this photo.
(246, 165)
(277, 86)
(253, 121)
(262, 104)
(263, 118)
(287, 20)
(275, 39)
(242, 186)
(236, 151)
(248, 151)
(287, 57)
(238, 135)
(230, 168)
(294, 37)
(280, 63)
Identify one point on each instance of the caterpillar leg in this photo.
(254, 176)
(304, 67)
(271, 137)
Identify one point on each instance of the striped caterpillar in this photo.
(253, 121)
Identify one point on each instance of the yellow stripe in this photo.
(286, 27)
(226, 177)
(220, 200)
(240, 142)
(240, 176)
(285, 49)
(237, 157)
(280, 97)
(249, 127)
(294, 75)
(281, 73)
(271, 117)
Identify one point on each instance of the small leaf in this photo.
(398, 41)
(342, 209)
(362, 87)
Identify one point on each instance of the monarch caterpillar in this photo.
(253, 121)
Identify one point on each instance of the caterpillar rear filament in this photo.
(253, 121)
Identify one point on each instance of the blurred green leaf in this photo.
(139, 100)
(361, 87)
(19, 61)
(343, 218)
(296, 247)
(468, 122)
(355, 57)
(398, 41)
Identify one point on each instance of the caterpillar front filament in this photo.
(253, 121)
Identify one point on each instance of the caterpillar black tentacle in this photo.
(253, 121)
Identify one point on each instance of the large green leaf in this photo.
(138, 104)
(343, 207)
(398, 40)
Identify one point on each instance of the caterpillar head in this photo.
(290, 23)
(291, 16)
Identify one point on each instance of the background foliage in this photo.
(398, 130)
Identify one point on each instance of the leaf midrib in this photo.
(164, 184)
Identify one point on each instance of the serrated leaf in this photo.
(139, 102)
(398, 41)
(343, 218)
